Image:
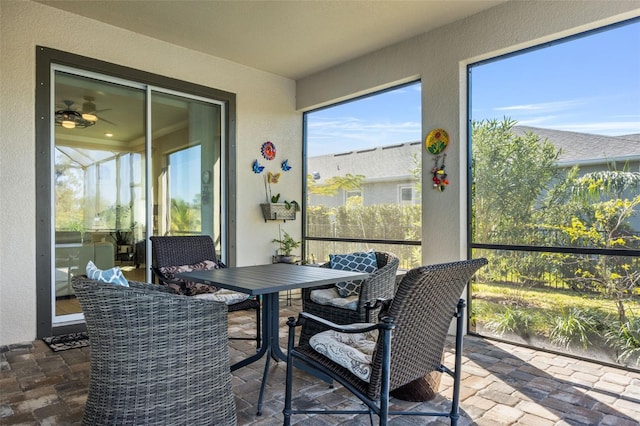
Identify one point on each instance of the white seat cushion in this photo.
(330, 296)
(228, 297)
(351, 351)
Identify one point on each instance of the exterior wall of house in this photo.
(440, 58)
(372, 193)
(265, 111)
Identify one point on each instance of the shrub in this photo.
(511, 320)
(572, 326)
(625, 340)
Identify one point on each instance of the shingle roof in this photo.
(376, 164)
(581, 148)
(395, 161)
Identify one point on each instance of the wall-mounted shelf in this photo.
(278, 211)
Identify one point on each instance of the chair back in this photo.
(156, 357)
(180, 250)
(423, 306)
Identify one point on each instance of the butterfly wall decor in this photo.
(257, 168)
(273, 177)
(285, 165)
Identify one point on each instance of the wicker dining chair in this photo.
(156, 357)
(169, 251)
(412, 330)
(380, 285)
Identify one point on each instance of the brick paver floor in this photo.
(502, 384)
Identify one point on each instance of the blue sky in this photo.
(590, 84)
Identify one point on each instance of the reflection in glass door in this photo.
(186, 165)
(100, 175)
(98, 182)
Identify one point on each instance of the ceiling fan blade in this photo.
(105, 120)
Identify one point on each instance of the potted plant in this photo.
(287, 244)
(122, 240)
(274, 209)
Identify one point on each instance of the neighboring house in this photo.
(387, 170)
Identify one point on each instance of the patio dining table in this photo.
(268, 281)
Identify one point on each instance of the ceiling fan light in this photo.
(89, 117)
(70, 119)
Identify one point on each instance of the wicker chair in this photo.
(156, 357)
(189, 250)
(380, 285)
(412, 332)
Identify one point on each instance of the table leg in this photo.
(271, 334)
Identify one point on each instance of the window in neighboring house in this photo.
(352, 194)
(373, 140)
(406, 195)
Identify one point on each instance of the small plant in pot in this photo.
(287, 245)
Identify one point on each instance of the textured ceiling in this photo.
(289, 38)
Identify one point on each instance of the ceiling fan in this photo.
(69, 118)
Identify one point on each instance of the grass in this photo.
(570, 320)
(546, 298)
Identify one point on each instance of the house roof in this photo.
(394, 162)
(376, 164)
(587, 148)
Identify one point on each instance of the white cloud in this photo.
(543, 106)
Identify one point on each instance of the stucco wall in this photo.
(265, 111)
(439, 58)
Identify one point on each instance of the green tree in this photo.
(607, 226)
(69, 195)
(511, 174)
(334, 184)
(184, 217)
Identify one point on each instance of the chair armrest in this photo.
(349, 328)
(150, 287)
(384, 304)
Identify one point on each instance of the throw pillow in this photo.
(189, 288)
(356, 262)
(112, 276)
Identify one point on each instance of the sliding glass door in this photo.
(105, 197)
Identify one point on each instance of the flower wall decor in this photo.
(436, 142)
(268, 150)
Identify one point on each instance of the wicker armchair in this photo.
(156, 357)
(380, 285)
(189, 250)
(418, 319)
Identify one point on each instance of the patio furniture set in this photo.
(159, 353)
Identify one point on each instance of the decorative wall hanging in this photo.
(437, 141)
(273, 177)
(285, 165)
(440, 180)
(268, 150)
(257, 168)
